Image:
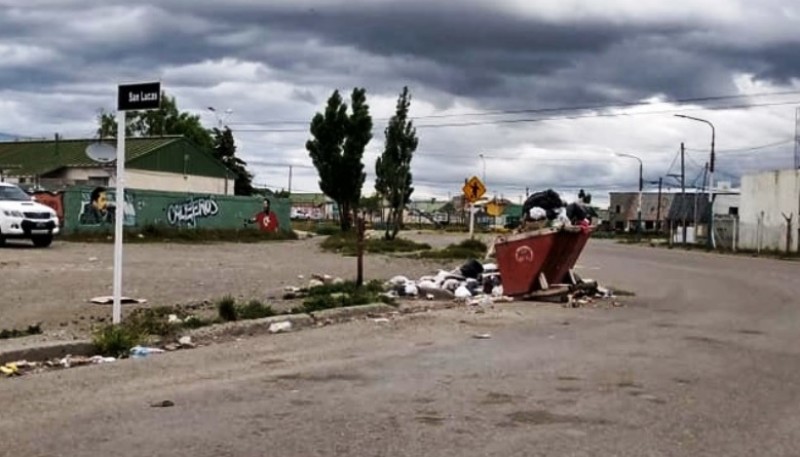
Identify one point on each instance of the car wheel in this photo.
(42, 241)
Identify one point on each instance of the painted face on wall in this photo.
(101, 203)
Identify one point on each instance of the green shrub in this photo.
(340, 295)
(153, 233)
(226, 308)
(346, 243)
(254, 309)
(326, 229)
(116, 340)
(35, 329)
(467, 249)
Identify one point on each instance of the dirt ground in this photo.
(53, 286)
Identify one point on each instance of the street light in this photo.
(710, 241)
(483, 158)
(641, 185)
(220, 119)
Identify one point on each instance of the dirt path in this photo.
(53, 285)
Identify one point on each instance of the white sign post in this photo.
(119, 217)
(129, 97)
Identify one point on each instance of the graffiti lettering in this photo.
(187, 212)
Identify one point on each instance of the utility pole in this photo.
(658, 211)
(683, 192)
(290, 180)
(696, 222)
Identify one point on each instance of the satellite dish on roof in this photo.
(101, 152)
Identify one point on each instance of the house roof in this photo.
(308, 199)
(40, 157)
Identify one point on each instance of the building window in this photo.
(619, 209)
(649, 225)
(733, 211)
(22, 180)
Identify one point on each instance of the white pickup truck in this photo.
(21, 217)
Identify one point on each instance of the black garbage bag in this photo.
(548, 200)
(576, 213)
(471, 269)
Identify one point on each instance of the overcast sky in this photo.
(275, 63)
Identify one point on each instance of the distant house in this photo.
(426, 212)
(312, 206)
(623, 211)
(169, 163)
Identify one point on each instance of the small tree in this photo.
(225, 151)
(393, 167)
(166, 120)
(169, 120)
(337, 149)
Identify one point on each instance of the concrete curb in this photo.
(423, 306)
(328, 316)
(47, 351)
(250, 327)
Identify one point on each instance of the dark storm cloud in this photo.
(464, 50)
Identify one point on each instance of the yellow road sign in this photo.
(473, 189)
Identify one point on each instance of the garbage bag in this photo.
(576, 213)
(548, 200)
(536, 214)
(471, 269)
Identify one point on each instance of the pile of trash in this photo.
(594, 297)
(22, 367)
(472, 279)
(547, 209)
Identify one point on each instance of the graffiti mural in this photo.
(187, 212)
(266, 219)
(98, 207)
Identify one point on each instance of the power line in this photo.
(545, 119)
(551, 109)
(746, 149)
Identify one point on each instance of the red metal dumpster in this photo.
(521, 258)
(568, 246)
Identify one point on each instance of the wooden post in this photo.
(360, 228)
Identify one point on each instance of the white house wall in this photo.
(771, 194)
(176, 182)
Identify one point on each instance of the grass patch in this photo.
(254, 309)
(115, 340)
(345, 243)
(6, 334)
(140, 325)
(230, 311)
(162, 234)
(226, 308)
(467, 249)
(330, 296)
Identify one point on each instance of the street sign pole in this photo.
(119, 218)
(473, 190)
(471, 219)
(143, 96)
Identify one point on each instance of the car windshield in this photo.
(13, 194)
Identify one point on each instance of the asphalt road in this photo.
(702, 362)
